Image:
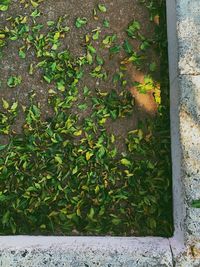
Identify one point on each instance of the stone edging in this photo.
(184, 65)
(84, 252)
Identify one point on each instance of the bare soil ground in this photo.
(120, 14)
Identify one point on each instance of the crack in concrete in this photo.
(172, 254)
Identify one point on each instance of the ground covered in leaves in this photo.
(84, 123)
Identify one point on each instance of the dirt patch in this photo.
(119, 15)
(84, 137)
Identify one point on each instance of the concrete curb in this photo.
(183, 249)
(184, 65)
(84, 251)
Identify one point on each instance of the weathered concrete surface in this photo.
(184, 55)
(189, 112)
(187, 218)
(188, 29)
(84, 252)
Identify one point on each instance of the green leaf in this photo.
(86, 91)
(50, 23)
(56, 36)
(13, 81)
(78, 133)
(58, 159)
(125, 162)
(13, 227)
(22, 54)
(133, 28)
(3, 7)
(109, 39)
(82, 106)
(5, 104)
(35, 13)
(2, 147)
(75, 170)
(102, 8)
(196, 204)
(91, 214)
(115, 49)
(47, 79)
(152, 67)
(14, 106)
(6, 217)
(80, 22)
(31, 69)
(61, 86)
(106, 23)
(88, 155)
(99, 60)
(36, 111)
(34, 4)
(116, 221)
(4, 4)
(145, 45)
(95, 36)
(127, 47)
(91, 49)
(89, 58)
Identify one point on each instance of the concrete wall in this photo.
(184, 248)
